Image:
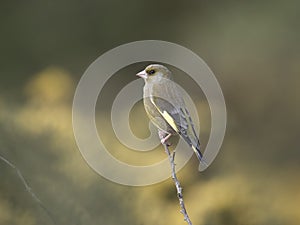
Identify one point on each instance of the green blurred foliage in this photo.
(253, 49)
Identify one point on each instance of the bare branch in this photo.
(177, 184)
(28, 188)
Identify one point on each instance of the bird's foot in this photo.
(165, 140)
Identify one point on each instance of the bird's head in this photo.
(155, 72)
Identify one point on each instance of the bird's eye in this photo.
(150, 72)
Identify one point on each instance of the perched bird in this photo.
(165, 106)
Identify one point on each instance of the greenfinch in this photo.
(165, 107)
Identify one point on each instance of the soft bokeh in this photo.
(253, 49)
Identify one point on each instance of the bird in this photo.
(165, 107)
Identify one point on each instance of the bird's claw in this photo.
(164, 140)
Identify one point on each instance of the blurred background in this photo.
(253, 49)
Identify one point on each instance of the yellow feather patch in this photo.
(194, 148)
(170, 120)
(166, 116)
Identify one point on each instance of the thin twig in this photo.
(28, 188)
(177, 184)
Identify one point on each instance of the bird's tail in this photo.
(194, 143)
(197, 151)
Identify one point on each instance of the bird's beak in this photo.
(142, 74)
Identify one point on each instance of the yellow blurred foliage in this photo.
(48, 103)
(9, 215)
(48, 110)
(51, 86)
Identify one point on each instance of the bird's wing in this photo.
(170, 113)
(178, 117)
